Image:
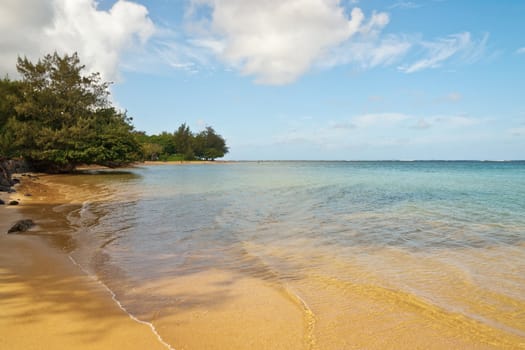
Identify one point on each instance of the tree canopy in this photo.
(183, 144)
(63, 118)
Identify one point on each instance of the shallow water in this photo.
(313, 255)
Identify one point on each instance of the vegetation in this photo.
(183, 144)
(57, 118)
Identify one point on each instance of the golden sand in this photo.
(46, 302)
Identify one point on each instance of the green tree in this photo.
(64, 118)
(152, 151)
(183, 138)
(209, 145)
(9, 93)
(166, 140)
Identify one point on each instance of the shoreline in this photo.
(155, 163)
(46, 296)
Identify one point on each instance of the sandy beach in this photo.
(49, 303)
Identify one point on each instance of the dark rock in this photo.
(7, 168)
(13, 203)
(21, 226)
(2, 202)
(28, 194)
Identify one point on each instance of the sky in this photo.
(300, 79)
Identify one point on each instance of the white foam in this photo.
(85, 207)
(119, 304)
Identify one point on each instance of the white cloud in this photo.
(38, 27)
(450, 98)
(455, 121)
(454, 97)
(446, 122)
(405, 5)
(379, 119)
(422, 124)
(369, 52)
(521, 50)
(456, 45)
(519, 131)
(277, 41)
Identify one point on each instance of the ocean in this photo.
(309, 255)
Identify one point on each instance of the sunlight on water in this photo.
(320, 255)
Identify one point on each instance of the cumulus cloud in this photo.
(437, 52)
(38, 27)
(277, 41)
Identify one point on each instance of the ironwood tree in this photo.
(64, 117)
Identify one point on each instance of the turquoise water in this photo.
(451, 234)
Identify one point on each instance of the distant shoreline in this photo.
(184, 162)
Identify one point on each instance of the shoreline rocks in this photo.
(7, 168)
(21, 226)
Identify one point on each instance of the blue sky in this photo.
(303, 79)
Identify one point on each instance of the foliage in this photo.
(183, 145)
(209, 145)
(183, 142)
(10, 92)
(64, 118)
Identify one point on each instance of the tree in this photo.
(64, 118)
(184, 142)
(209, 145)
(9, 93)
(166, 141)
(152, 151)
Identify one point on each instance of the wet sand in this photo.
(49, 303)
